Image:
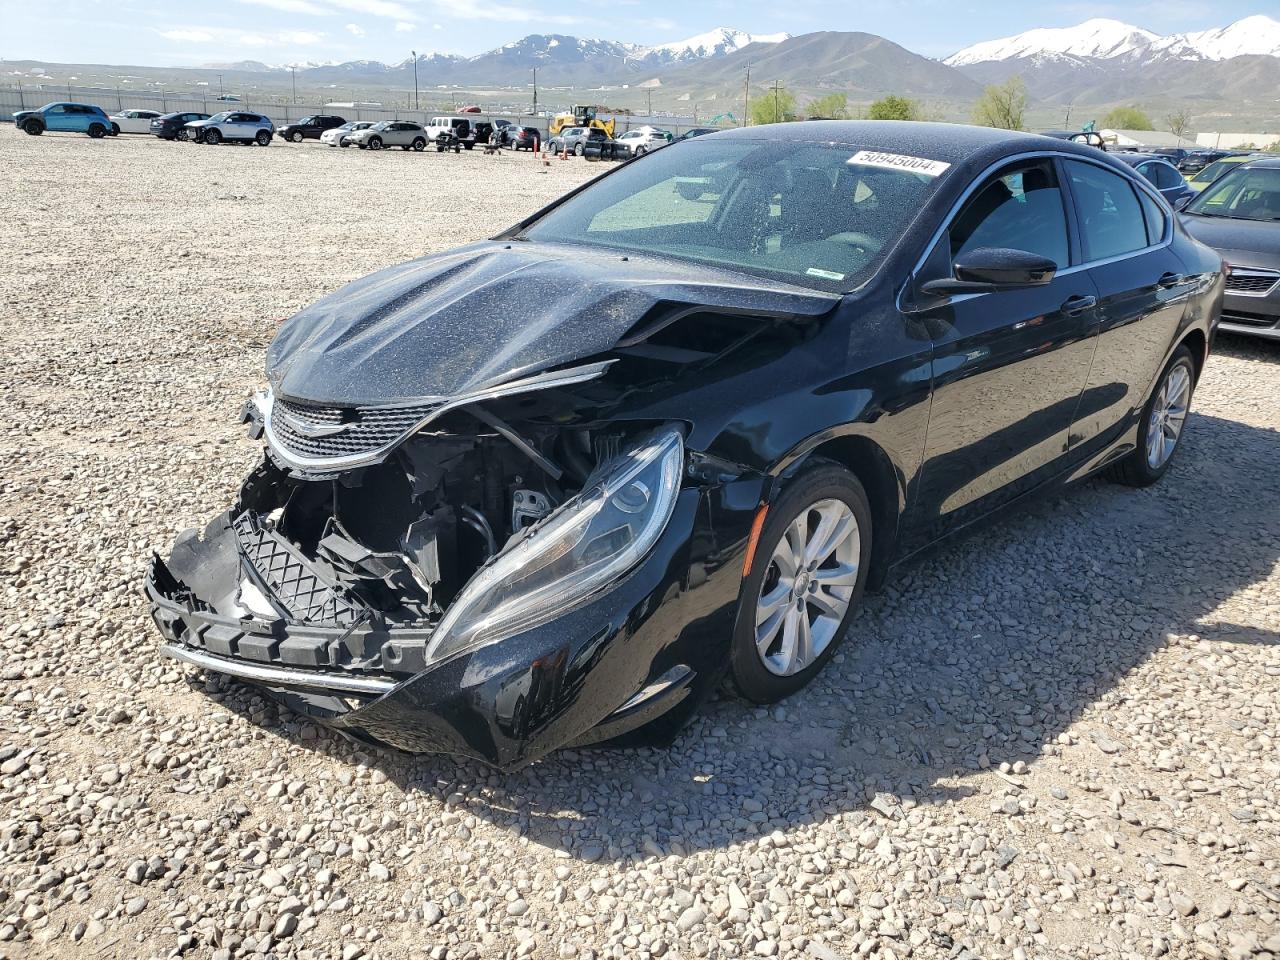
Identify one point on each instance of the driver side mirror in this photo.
(992, 269)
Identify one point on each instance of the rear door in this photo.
(1126, 239)
(1008, 366)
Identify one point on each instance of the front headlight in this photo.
(590, 542)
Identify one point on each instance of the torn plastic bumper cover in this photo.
(593, 674)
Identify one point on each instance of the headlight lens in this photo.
(595, 538)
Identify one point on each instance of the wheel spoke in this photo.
(828, 605)
(770, 603)
(804, 641)
(841, 575)
(786, 656)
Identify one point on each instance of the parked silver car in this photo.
(234, 126)
(391, 133)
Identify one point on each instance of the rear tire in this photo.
(419, 144)
(264, 138)
(115, 129)
(778, 596)
(212, 136)
(97, 131)
(1162, 424)
(182, 135)
(33, 128)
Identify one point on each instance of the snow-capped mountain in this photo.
(1102, 39)
(557, 48)
(713, 43)
(1094, 38)
(1258, 35)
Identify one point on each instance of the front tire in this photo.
(1162, 424)
(296, 137)
(33, 128)
(212, 136)
(579, 150)
(375, 143)
(805, 583)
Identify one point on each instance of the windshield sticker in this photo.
(824, 274)
(896, 161)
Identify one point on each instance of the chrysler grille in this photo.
(330, 433)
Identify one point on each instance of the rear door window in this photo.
(1154, 216)
(1107, 208)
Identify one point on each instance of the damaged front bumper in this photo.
(642, 649)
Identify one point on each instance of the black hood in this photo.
(1253, 243)
(481, 315)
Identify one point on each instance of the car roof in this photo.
(952, 143)
(1133, 159)
(1266, 163)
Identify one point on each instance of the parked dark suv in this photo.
(172, 126)
(308, 128)
(521, 138)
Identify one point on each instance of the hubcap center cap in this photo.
(802, 583)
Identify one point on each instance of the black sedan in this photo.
(1162, 174)
(1239, 216)
(172, 126)
(308, 128)
(765, 368)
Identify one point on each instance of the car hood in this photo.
(1253, 243)
(479, 316)
(200, 123)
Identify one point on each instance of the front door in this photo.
(1008, 366)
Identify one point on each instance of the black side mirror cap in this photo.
(988, 269)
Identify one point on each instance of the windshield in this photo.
(1213, 171)
(1249, 193)
(307, 121)
(805, 213)
(381, 126)
(220, 117)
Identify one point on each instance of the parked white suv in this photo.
(390, 133)
(132, 121)
(643, 139)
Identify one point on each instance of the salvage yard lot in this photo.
(1056, 739)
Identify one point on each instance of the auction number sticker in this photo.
(896, 161)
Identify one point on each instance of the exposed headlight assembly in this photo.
(589, 543)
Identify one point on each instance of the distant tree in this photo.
(834, 106)
(1245, 146)
(1179, 123)
(1127, 118)
(773, 107)
(1002, 105)
(1272, 147)
(894, 107)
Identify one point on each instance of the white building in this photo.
(1229, 141)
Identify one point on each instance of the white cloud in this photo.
(187, 36)
(498, 12)
(291, 6)
(301, 38)
(355, 29)
(390, 9)
(404, 26)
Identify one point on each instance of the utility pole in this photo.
(649, 94)
(535, 92)
(776, 118)
(746, 98)
(414, 53)
(294, 73)
(220, 91)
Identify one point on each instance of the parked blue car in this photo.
(65, 118)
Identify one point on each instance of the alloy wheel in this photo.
(1168, 414)
(808, 587)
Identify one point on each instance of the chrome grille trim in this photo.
(1252, 281)
(385, 428)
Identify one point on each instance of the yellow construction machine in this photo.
(581, 117)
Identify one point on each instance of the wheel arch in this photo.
(1198, 344)
(881, 480)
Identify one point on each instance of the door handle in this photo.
(1078, 305)
(1170, 280)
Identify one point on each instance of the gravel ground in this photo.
(1056, 739)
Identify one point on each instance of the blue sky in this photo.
(192, 32)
